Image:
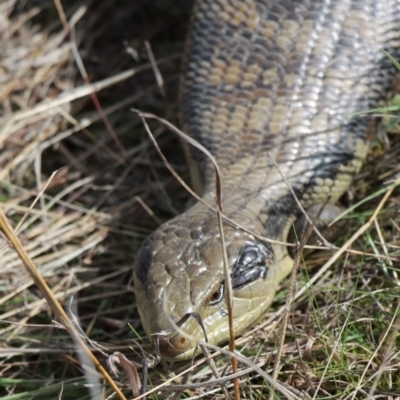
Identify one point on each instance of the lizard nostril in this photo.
(172, 347)
(182, 342)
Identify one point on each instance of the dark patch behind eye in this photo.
(144, 261)
(251, 265)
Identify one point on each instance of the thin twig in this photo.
(229, 304)
(326, 243)
(156, 70)
(218, 200)
(35, 201)
(211, 363)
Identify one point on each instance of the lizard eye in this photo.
(217, 295)
(252, 264)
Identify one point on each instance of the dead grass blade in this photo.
(193, 143)
(130, 369)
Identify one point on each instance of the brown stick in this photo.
(53, 302)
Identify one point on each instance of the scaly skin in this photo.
(262, 79)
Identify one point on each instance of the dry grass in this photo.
(83, 225)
